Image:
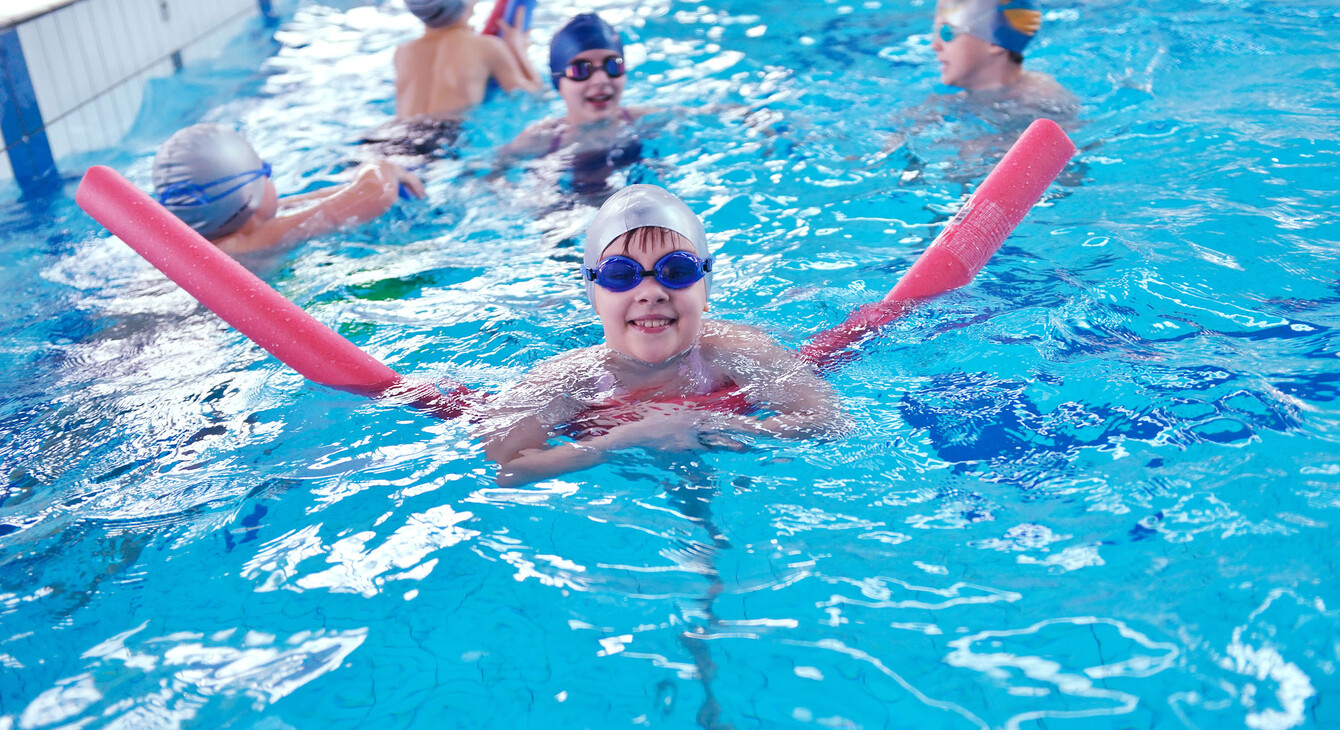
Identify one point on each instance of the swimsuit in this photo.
(591, 168)
(416, 137)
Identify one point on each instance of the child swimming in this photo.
(210, 177)
(587, 67)
(444, 73)
(979, 45)
(648, 271)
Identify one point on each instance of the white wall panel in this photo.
(58, 137)
(139, 37)
(111, 56)
(89, 50)
(127, 98)
(40, 41)
(67, 77)
(89, 61)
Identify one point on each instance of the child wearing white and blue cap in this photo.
(647, 267)
(210, 177)
(979, 45)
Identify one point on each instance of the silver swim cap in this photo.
(639, 206)
(188, 169)
(437, 13)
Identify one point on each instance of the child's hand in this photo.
(672, 428)
(517, 39)
(665, 428)
(410, 181)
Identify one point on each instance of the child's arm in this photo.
(524, 455)
(536, 140)
(372, 192)
(506, 58)
(803, 404)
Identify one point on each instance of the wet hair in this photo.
(647, 238)
(1016, 56)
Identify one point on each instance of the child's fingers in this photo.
(721, 442)
(415, 185)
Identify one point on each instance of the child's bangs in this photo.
(649, 238)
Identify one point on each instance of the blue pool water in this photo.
(1098, 488)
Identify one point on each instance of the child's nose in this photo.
(651, 290)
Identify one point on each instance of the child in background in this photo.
(979, 45)
(210, 177)
(648, 269)
(444, 73)
(587, 67)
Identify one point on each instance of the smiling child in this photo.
(587, 67)
(648, 271)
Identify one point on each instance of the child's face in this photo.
(961, 59)
(650, 322)
(596, 98)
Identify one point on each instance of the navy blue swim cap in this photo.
(585, 32)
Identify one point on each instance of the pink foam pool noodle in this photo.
(970, 239)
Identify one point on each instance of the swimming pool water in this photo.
(1097, 488)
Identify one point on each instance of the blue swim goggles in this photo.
(675, 270)
(186, 194)
(947, 32)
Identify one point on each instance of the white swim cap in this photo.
(196, 159)
(437, 13)
(640, 206)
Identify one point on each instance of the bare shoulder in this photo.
(742, 345)
(1041, 90)
(545, 127)
(534, 140)
(577, 373)
(728, 334)
(637, 112)
(491, 45)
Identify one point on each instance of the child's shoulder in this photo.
(1045, 92)
(570, 372)
(734, 346)
(733, 335)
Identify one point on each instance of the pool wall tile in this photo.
(84, 65)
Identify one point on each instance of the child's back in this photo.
(447, 71)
